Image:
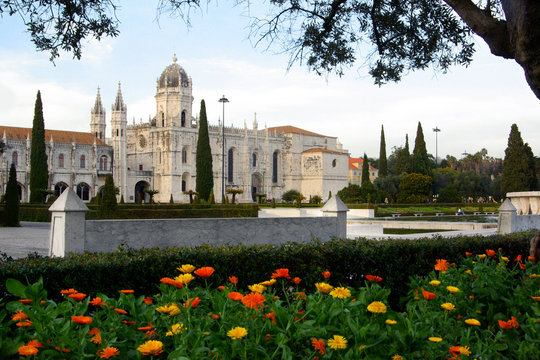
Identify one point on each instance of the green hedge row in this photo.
(348, 260)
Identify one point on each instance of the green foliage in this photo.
(315, 199)
(383, 163)
(211, 199)
(365, 170)
(420, 161)
(39, 173)
(290, 196)
(449, 195)
(402, 163)
(122, 199)
(388, 185)
(11, 214)
(151, 192)
(234, 192)
(350, 194)
(519, 172)
(108, 205)
(171, 200)
(414, 188)
(205, 178)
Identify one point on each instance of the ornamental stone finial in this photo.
(174, 58)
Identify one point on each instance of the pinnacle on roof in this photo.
(119, 102)
(98, 107)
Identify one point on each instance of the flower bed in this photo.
(487, 307)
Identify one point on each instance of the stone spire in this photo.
(97, 118)
(98, 107)
(119, 102)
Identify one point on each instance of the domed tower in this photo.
(174, 97)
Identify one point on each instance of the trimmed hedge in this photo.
(348, 260)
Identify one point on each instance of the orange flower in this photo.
(513, 321)
(34, 343)
(221, 288)
(94, 331)
(28, 350)
(253, 300)
(97, 336)
(233, 280)
(296, 280)
(271, 316)
(373, 278)
(468, 253)
(145, 328)
(326, 274)
(127, 322)
(214, 316)
(300, 295)
(147, 300)
(127, 291)
(120, 311)
(454, 350)
(151, 347)
(441, 265)
(281, 273)
(68, 292)
(267, 337)
(64, 350)
(193, 303)
(319, 345)
(26, 323)
(108, 352)
(428, 295)
(77, 296)
(82, 319)
(491, 253)
(25, 301)
(169, 281)
(204, 272)
(235, 296)
(505, 325)
(19, 316)
(97, 302)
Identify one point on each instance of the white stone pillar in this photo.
(68, 224)
(336, 207)
(507, 217)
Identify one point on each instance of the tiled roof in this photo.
(356, 164)
(58, 136)
(293, 129)
(324, 150)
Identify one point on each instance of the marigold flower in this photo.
(82, 319)
(257, 288)
(237, 333)
(468, 253)
(300, 295)
(108, 352)
(468, 271)
(175, 330)
(97, 302)
(147, 300)
(267, 337)
(28, 350)
(35, 343)
(64, 350)
(96, 339)
(504, 325)
(127, 291)
(186, 268)
(214, 316)
(536, 298)
(25, 301)
(337, 342)
(319, 345)
(535, 276)
(26, 323)
(221, 287)
(172, 309)
(490, 253)
(296, 280)
(268, 283)
(233, 280)
(434, 283)
(373, 278)
(454, 351)
(340, 293)
(128, 322)
(472, 322)
(377, 307)
(323, 287)
(235, 296)
(77, 296)
(435, 339)
(513, 321)
(448, 306)
(452, 289)
(19, 316)
(145, 328)
(481, 256)
(193, 303)
(151, 347)
(390, 322)
(121, 311)
(68, 292)
(253, 300)
(428, 295)
(94, 331)
(204, 272)
(505, 259)
(464, 350)
(441, 265)
(271, 316)
(397, 357)
(184, 279)
(169, 281)
(281, 273)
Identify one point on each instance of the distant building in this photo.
(355, 171)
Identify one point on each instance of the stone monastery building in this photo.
(160, 154)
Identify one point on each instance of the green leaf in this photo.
(15, 287)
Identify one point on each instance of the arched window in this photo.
(59, 188)
(184, 156)
(83, 191)
(275, 167)
(183, 119)
(183, 185)
(162, 120)
(230, 164)
(334, 163)
(61, 160)
(103, 163)
(254, 160)
(82, 162)
(15, 158)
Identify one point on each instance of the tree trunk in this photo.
(517, 37)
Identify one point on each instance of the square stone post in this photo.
(336, 207)
(507, 217)
(68, 224)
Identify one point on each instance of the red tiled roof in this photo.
(356, 164)
(59, 136)
(294, 130)
(324, 150)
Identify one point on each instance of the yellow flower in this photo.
(435, 339)
(464, 350)
(268, 283)
(397, 357)
(452, 289)
(536, 298)
(186, 268)
(340, 293)
(151, 347)
(448, 306)
(323, 287)
(535, 276)
(482, 256)
(337, 342)
(505, 259)
(434, 283)
(377, 307)
(390, 322)
(175, 329)
(172, 309)
(472, 322)
(257, 288)
(468, 272)
(237, 333)
(184, 278)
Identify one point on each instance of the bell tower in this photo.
(97, 119)
(119, 142)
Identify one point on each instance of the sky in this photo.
(474, 107)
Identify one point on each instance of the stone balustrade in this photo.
(525, 202)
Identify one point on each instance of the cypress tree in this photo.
(420, 161)
(383, 163)
(403, 159)
(12, 199)
(517, 174)
(39, 173)
(108, 205)
(531, 164)
(365, 170)
(205, 177)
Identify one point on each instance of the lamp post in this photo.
(223, 100)
(436, 130)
